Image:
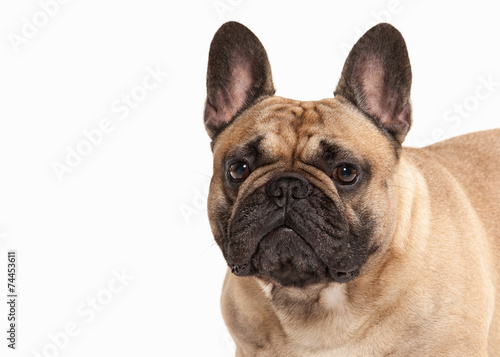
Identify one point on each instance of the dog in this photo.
(340, 241)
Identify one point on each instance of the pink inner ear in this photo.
(230, 100)
(241, 83)
(372, 80)
(381, 102)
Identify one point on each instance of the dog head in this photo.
(302, 192)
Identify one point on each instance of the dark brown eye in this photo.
(239, 171)
(345, 174)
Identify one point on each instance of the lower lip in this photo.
(283, 229)
(282, 232)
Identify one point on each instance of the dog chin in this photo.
(285, 258)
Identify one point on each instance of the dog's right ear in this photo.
(238, 75)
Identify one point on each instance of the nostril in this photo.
(274, 190)
(301, 189)
(290, 187)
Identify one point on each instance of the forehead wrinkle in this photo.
(281, 126)
(289, 128)
(310, 119)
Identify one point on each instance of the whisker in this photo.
(209, 247)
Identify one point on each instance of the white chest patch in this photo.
(333, 297)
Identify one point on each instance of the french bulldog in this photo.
(340, 241)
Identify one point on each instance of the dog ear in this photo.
(377, 79)
(238, 75)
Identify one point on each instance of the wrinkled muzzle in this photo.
(290, 232)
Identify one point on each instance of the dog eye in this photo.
(345, 174)
(239, 170)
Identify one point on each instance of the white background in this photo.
(137, 201)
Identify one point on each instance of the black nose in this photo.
(287, 188)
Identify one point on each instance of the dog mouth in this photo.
(285, 257)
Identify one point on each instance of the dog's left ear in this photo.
(377, 79)
(238, 75)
